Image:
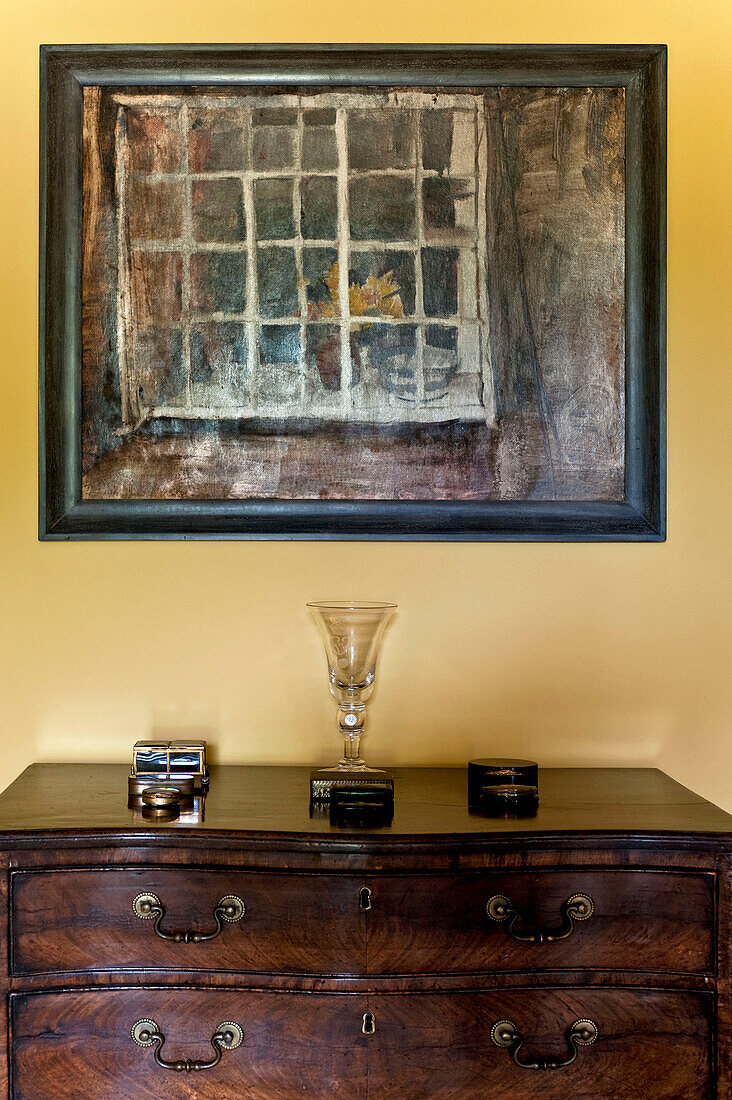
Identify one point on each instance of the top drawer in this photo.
(65, 921)
(340, 924)
(523, 920)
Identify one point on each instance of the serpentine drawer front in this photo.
(70, 1046)
(157, 919)
(209, 1044)
(629, 920)
(632, 1045)
(107, 920)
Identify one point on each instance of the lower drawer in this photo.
(650, 1044)
(67, 1046)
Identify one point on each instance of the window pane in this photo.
(277, 274)
(319, 149)
(389, 351)
(323, 353)
(436, 140)
(155, 139)
(448, 141)
(381, 138)
(159, 366)
(155, 210)
(319, 116)
(462, 154)
(273, 209)
(320, 271)
(219, 373)
(218, 282)
(382, 283)
(157, 279)
(294, 157)
(449, 209)
(382, 208)
(218, 210)
(280, 343)
(319, 219)
(273, 148)
(439, 275)
(216, 141)
(278, 378)
(275, 116)
(440, 360)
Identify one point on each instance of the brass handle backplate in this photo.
(229, 909)
(582, 1033)
(501, 909)
(227, 1036)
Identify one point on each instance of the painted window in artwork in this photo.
(303, 257)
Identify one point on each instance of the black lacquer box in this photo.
(496, 771)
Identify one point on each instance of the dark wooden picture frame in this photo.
(67, 70)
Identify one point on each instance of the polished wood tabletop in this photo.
(429, 802)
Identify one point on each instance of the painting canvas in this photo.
(399, 294)
(361, 293)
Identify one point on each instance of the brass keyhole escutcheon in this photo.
(368, 1026)
(364, 899)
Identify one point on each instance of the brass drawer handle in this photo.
(582, 1033)
(228, 1036)
(229, 909)
(500, 908)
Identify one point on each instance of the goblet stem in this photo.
(351, 717)
(351, 758)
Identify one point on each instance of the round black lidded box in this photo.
(494, 771)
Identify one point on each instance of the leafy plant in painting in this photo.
(378, 296)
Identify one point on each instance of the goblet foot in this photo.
(348, 778)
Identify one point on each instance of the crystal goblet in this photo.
(352, 634)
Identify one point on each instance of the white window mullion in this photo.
(483, 311)
(419, 282)
(125, 320)
(302, 294)
(344, 258)
(252, 300)
(186, 249)
(405, 100)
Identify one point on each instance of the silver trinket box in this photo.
(160, 762)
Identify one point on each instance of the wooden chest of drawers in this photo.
(265, 955)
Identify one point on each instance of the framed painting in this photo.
(336, 292)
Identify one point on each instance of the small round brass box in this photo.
(161, 814)
(162, 798)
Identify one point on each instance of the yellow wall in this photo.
(575, 654)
